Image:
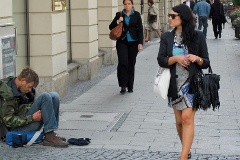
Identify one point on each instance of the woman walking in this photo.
(152, 25)
(129, 44)
(217, 15)
(184, 51)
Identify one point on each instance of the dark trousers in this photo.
(127, 53)
(203, 21)
(217, 26)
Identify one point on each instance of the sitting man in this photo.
(19, 111)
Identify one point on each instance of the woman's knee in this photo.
(179, 124)
(187, 119)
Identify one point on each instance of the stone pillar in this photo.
(5, 11)
(120, 5)
(19, 16)
(48, 45)
(85, 37)
(162, 15)
(106, 12)
(176, 2)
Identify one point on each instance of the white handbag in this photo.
(162, 81)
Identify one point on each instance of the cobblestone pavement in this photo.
(43, 153)
(147, 131)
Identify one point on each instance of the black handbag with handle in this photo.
(206, 90)
(222, 15)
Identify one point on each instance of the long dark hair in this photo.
(188, 23)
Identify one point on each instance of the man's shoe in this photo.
(62, 138)
(51, 139)
(123, 90)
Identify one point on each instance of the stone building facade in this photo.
(67, 45)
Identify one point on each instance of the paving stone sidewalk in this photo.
(139, 125)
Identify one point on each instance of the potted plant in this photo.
(236, 2)
(234, 14)
(236, 24)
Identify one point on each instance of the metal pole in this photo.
(27, 33)
(70, 31)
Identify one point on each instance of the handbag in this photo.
(206, 90)
(162, 81)
(152, 18)
(116, 32)
(223, 19)
(222, 15)
(20, 138)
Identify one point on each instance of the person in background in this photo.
(184, 51)
(202, 9)
(129, 44)
(189, 3)
(20, 111)
(152, 26)
(217, 16)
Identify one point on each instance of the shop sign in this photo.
(8, 57)
(58, 5)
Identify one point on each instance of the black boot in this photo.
(216, 35)
(123, 90)
(219, 33)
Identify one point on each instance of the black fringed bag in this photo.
(206, 90)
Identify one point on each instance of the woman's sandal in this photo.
(189, 155)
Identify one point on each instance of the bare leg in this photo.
(185, 129)
(178, 118)
(147, 35)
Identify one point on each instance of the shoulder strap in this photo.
(35, 136)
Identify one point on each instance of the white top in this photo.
(188, 3)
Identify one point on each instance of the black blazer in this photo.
(216, 10)
(192, 4)
(198, 47)
(135, 27)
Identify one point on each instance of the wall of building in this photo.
(48, 47)
(76, 39)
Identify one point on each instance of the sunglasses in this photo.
(173, 15)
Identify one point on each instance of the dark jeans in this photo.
(48, 103)
(203, 21)
(127, 53)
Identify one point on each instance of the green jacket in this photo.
(12, 113)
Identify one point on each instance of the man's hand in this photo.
(37, 116)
